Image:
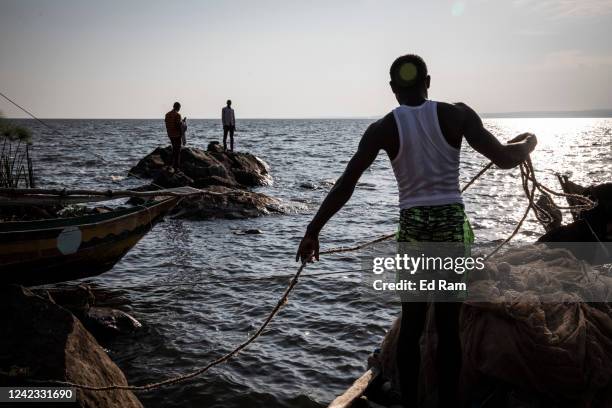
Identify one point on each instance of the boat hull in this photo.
(48, 251)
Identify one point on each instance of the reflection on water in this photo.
(319, 342)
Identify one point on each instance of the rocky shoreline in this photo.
(46, 341)
(55, 333)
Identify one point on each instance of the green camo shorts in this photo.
(439, 223)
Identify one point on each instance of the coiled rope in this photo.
(528, 177)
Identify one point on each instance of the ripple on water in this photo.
(320, 341)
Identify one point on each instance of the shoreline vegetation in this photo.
(16, 168)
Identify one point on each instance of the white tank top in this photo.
(426, 166)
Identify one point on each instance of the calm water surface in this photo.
(319, 343)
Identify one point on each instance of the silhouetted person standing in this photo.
(174, 129)
(422, 139)
(229, 125)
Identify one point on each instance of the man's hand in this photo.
(521, 137)
(308, 249)
(528, 138)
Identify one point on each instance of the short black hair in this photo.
(408, 71)
(176, 105)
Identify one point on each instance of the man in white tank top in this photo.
(422, 138)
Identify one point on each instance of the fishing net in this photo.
(545, 345)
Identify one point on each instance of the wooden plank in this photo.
(355, 391)
(13, 193)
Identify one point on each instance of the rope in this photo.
(527, 177)
(180, 378)
(542, 215)
(477, 176)
(59, 133)
(221, 281)
(184, 377)
(357, 247)
(54, 130)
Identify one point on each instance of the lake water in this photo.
(319, 342)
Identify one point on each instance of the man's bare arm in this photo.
(505, 156)
(342, 191)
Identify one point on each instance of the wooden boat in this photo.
(588, 237)
(355, 395)
(54, 250)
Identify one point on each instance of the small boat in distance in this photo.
(61, 249)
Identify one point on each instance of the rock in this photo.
(151, 164)
(307, 185)
(221, 202)
(229, 203)
(254, 231)
(77, 299)
(104, 322)
(46, 342)
(207, 168)
(215, 147)
(223, 175)
(169, 178)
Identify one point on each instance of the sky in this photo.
(297, 59)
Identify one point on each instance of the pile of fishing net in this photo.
(535, 341)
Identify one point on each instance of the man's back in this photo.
(227, 116)
(456, 121)
(173, 124)
(426, 166)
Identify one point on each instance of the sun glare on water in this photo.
(561, 141)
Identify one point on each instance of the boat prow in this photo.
(55, 250)
(352, 396)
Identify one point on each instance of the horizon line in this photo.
(586, 113)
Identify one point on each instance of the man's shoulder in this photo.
(454, 112)
(383, 124)
(382, 131)
(452, 108)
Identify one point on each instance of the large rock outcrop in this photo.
(229, 203)
(44, 341)
(207, 168)
(224, 178)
